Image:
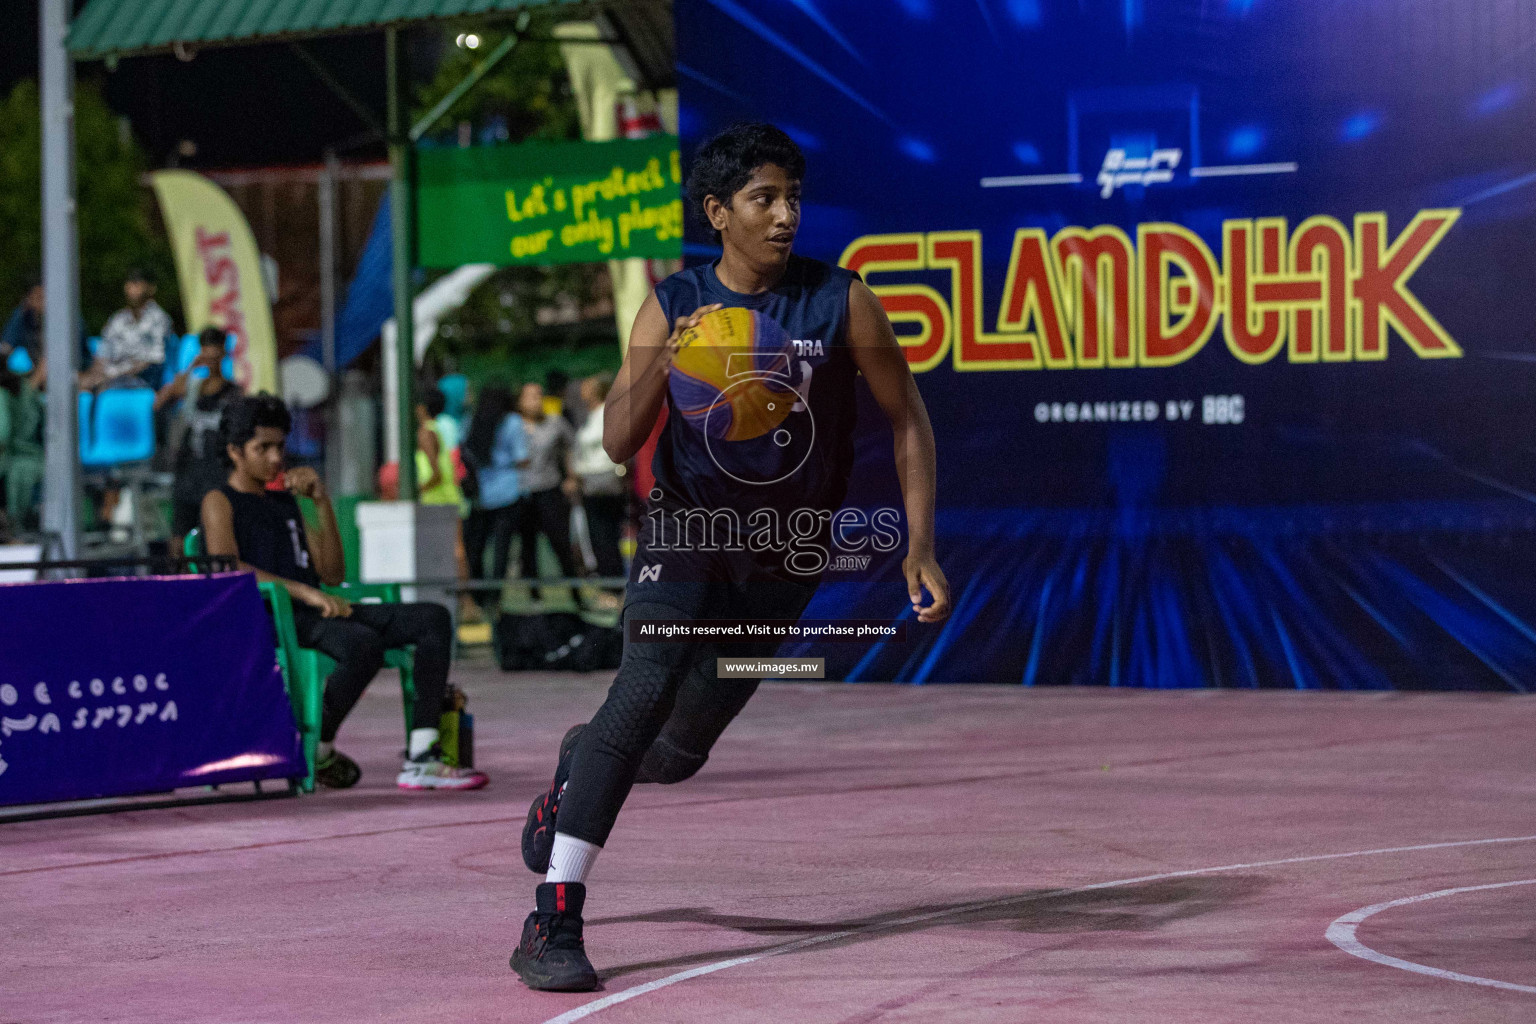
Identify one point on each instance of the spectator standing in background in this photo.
(601, 480)
(21, 442)
(556, 384)
(495, 449)
(447, 427)
(435, 477)
(550, 440)
(133, 341)
(24, 330)
(574, 406)
(437, 480)
(198, 459)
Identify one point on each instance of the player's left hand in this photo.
(306, 483)
(922, 570)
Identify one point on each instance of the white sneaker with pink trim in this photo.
(430, 772)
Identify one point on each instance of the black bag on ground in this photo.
(555, 641)
(601, 648)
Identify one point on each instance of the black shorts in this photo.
(710, 578)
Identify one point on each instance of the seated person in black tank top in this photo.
(265, 532)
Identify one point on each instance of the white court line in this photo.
(1229, 170)
(597, 1005)
(1009, 181)
(1342, 934)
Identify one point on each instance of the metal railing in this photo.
(158, 565)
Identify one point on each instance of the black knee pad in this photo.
(667, 764)
(642, 693)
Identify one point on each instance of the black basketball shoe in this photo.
(539, 829)
(337, 771)
(551, 956)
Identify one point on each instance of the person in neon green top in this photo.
(437, 480)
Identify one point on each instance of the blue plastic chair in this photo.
(20, 361)
(84, 400)
(124, 420)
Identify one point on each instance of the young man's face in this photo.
(138, 292)
(761, 219)
(211, 356)
(530, 401)
(260, 458)
(35, 299)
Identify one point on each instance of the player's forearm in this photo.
(262, 576)
(629, 417)
(330, 562)
(168, 394)
(916, 468)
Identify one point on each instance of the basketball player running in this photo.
(666, 707)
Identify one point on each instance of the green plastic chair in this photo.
(305, 669)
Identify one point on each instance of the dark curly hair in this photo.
(431, 396)
(242, 416)
(723, 165)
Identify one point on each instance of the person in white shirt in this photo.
(600, 479)
(132, 348)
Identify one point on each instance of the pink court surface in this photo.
(850, 854)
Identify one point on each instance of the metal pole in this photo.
(327, 201)
(402, 225)
(61, 281)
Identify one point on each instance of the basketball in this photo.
(731, 377)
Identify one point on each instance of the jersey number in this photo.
(804, 390)
(300, 552)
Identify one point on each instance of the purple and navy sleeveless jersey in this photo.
(806, 461)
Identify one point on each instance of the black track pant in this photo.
(547, 512)
(666, 707)
(493, 528)
(605, 525)
(358, 643)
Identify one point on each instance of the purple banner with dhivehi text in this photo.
(121, 686)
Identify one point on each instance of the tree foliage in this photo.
(117, 230)
(529, 92)
(527, 97)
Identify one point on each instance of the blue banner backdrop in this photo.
(123, 686)
(1222, 310)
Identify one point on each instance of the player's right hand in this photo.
(675, 342)
(305, 482)
(328, 605)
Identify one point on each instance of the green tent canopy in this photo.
(110, 28)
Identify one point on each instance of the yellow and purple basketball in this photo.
(731, 375)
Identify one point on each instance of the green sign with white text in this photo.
(549, 202)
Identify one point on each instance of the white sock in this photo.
(421, 741)
(571, 859)
(324, 750)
